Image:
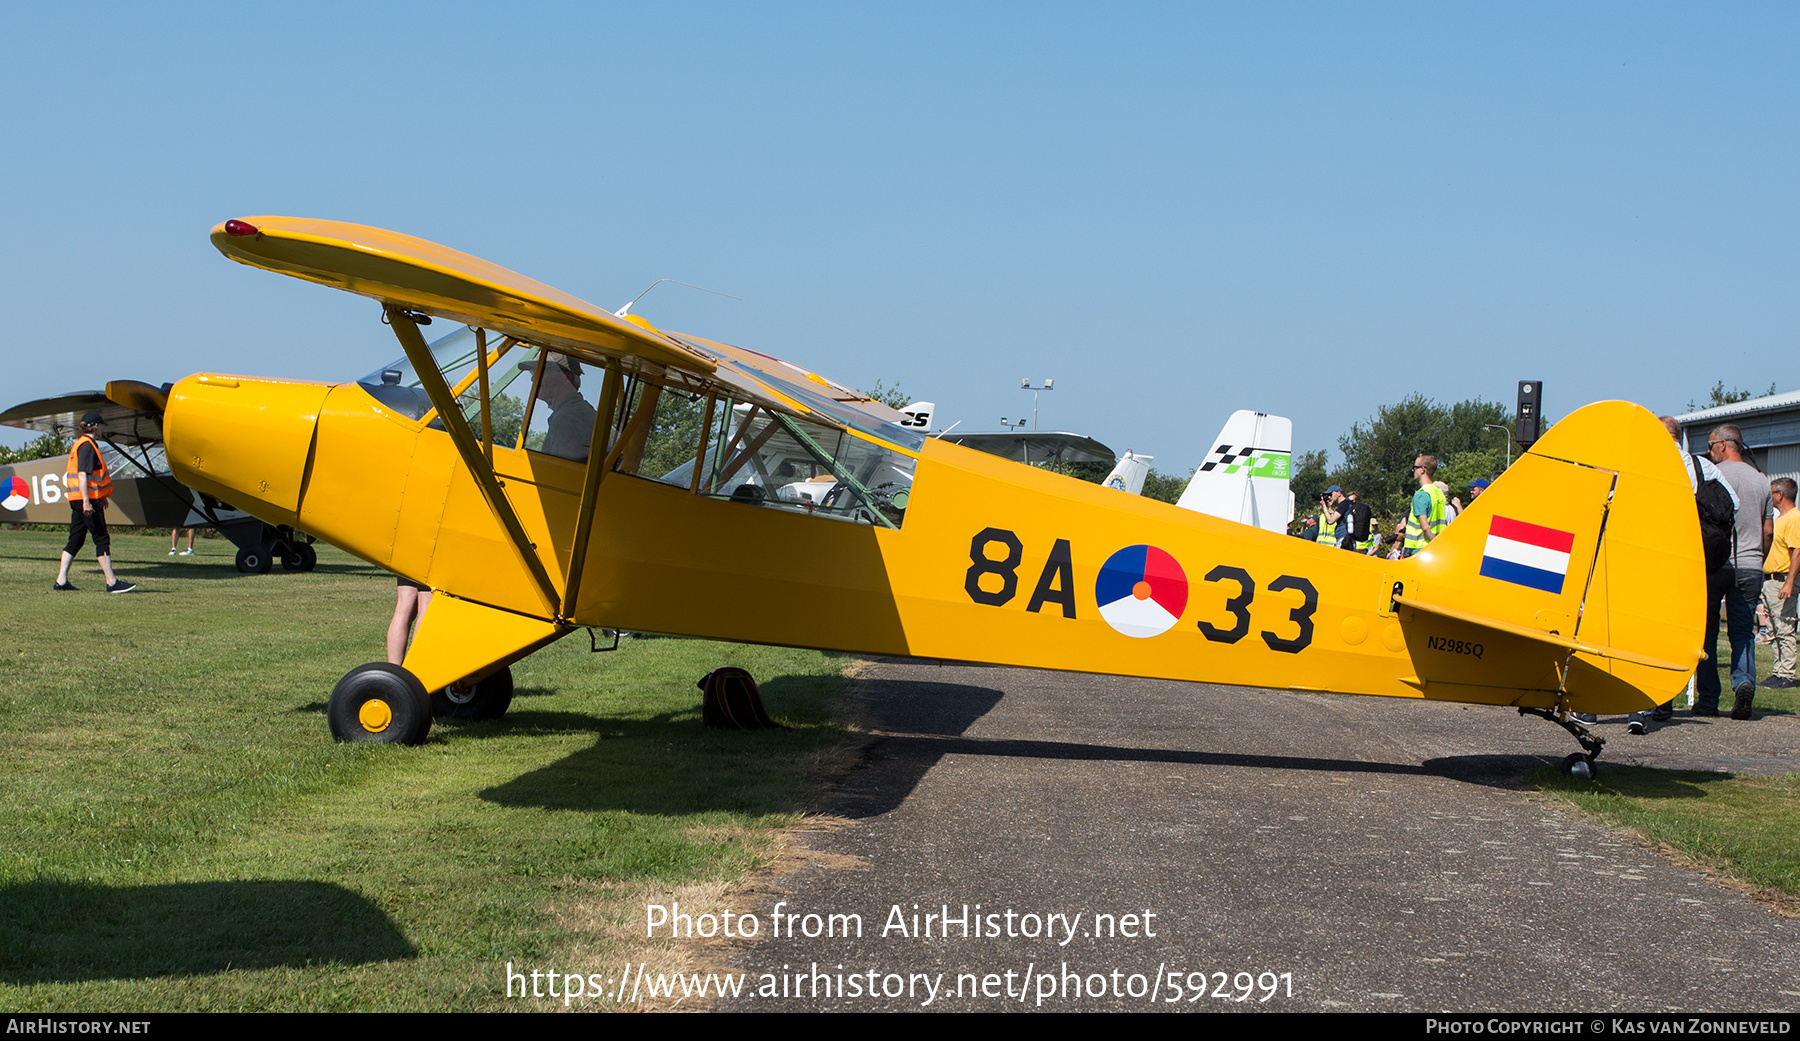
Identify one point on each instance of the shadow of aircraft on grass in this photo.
(72, 931)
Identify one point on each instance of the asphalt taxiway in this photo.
(1330, 852)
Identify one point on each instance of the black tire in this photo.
(488, 699)
(254, 560)
(291, 559)
(380, 702)
(309, 557)
(1577, 766)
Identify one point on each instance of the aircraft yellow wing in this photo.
(418, 275)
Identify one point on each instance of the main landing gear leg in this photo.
(1576, 764)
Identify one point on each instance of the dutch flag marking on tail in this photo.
(1527, 554)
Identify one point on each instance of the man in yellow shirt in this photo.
(1778, 580)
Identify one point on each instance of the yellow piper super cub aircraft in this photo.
(662, 501)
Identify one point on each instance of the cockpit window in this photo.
(396, 385)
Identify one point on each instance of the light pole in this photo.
(1508, 433)
(1025, 384)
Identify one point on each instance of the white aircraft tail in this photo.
(1245, 476)
(1129, 475)
(918, 415)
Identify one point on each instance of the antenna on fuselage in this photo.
(623, 311)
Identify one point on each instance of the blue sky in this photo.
(1172, 210)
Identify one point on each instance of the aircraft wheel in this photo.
(299, 557)
(380, 702)
(254, 560)
(485, 700)
(1577, 766)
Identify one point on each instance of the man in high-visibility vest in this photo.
(87, 486)
(1331, 518)
(1425, 519)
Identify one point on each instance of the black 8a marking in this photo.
(1007, 568)
(1055, 586)
(1239, 606)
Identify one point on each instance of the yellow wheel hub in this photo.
(374, 715)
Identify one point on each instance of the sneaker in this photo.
(1586, 717)
(188, 552)
(1778, 682)
(1740, 709)
(63, 587)
(1635, 725)
(1703, 710)
(1662, 713)
(171, 552)
(121, 587)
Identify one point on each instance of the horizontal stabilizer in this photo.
(1542, 636)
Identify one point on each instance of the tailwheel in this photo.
(380, 702)
(487, 698)
(1583, 766)
(1578, 766)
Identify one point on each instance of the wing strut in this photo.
(407, 331)
(590, 488)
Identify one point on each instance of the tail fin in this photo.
(1589, 543)
(918, 415)
(1129, 475)
(1245, 476)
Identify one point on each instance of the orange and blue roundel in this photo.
(18, 493)
(1142, 591)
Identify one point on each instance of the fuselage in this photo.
(992, 561)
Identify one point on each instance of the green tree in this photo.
(505, 412)
(1309, 479)
(1458, 470)
(1379, 452)
(42, 446)
(1720, 396)
(1165, 487)
(893, 397)
(674, 436)
(1093, 473)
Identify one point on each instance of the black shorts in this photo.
(81, 522)
(402, 580)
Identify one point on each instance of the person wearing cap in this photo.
(1331, 519)
(88, 486)
(571, 424)
(1476, 487)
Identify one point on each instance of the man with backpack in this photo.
(1717, 504)
(1739, 582)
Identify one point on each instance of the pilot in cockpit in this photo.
(571, 423)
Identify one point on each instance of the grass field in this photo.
(1744, 828)
(181, 833)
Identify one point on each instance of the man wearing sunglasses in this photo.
(1426, 519)
(1739, 583)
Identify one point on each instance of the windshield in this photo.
(396, 384)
